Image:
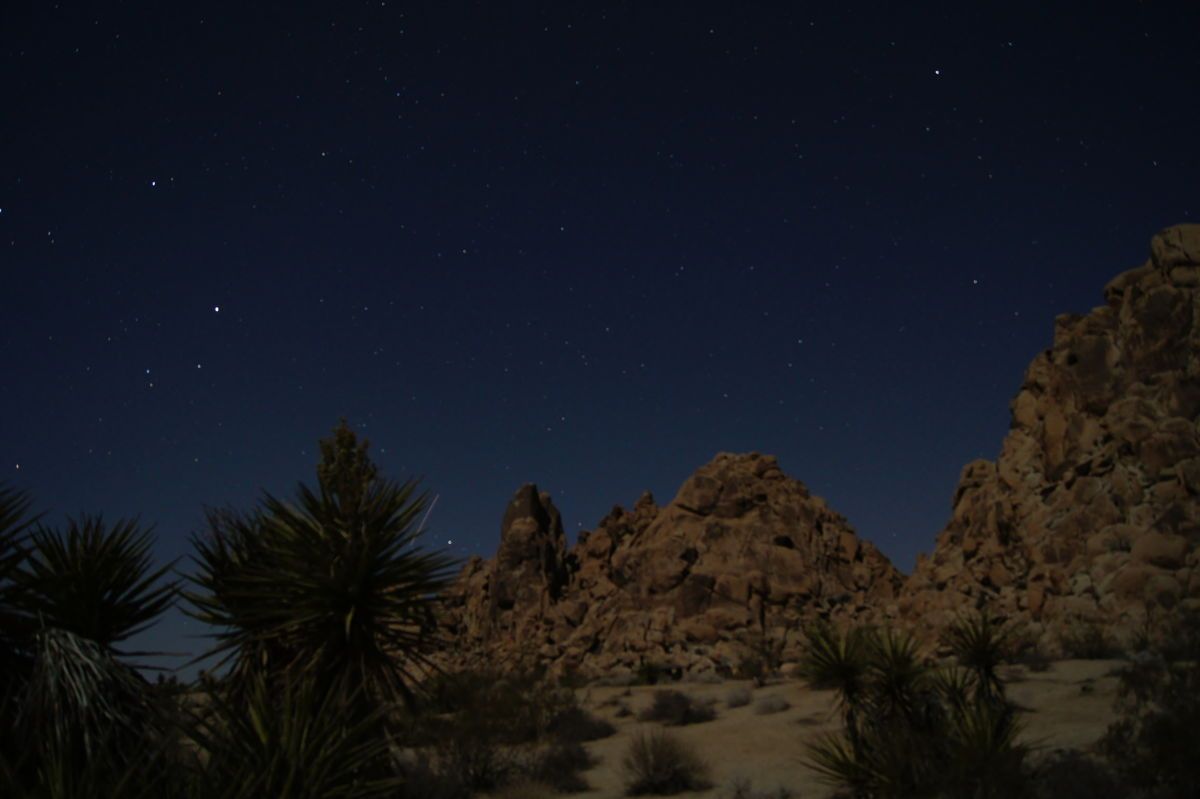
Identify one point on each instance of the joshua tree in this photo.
(332, 586)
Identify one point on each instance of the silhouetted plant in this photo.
(294, 741)
(981, 644)
(334, 586)
(840, 662)
(911, 730)
(79, 720)
(660, 763)
(94, 580)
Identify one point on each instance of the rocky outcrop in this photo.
(1090, 513)
(741, 555)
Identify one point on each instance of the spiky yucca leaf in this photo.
(292, 741)
(95, 580)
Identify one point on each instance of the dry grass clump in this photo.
(658, 763)
(771, 704)
(738, 697)
(675, 709)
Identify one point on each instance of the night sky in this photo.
(582, 244)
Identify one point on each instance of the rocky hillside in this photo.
(1090, 514)
(692, 586)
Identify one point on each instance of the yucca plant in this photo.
(915, 731)
(94, 580)
(839, 661)
(290, 741)
(980, 643)
(333, 586)
(87, 724)
(82, 718)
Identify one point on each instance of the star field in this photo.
(587, 245)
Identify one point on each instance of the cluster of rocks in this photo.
(1089, 516)
(742, 551)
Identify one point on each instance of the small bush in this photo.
(738, 697)
(771, 704)
(559, 765)
(675, 709)
(1089, 641)
(659, 763)
(576, 725)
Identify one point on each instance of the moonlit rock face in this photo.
(741, 546)
(1090, 514)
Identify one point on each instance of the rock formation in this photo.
(1090, 514)
(742, 554)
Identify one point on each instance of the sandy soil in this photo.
(1068, 706)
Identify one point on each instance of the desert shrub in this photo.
(743, 788)
(738, 697)
(659, 763)
(575, 725)
(1089, 641)
(1071, 774)
(771, 704)
(474, 753)
(512, 709)
(675, 709)
(1153, 743)
(559, 767)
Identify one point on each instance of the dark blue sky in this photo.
(588, 245)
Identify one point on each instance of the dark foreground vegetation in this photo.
(322, 612)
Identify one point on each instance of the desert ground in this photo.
(1067, 706)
